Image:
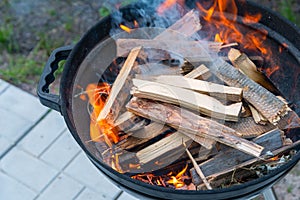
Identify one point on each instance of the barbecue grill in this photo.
(95, 51)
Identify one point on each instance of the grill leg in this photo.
(269, 194)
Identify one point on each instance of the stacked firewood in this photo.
(188, 115)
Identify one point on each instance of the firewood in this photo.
(198, 170)
(245, 64)
(185, 48)
(230, 158)
(204, 87)
(290, 121)
(142, 136)
(249, 128)
(155, 69)
(188, 25)
(186, 98)
(229, 45)
(126, 121)
(201, 72)
(161, 147)
(188, 122)
(117, 87)
(242, 170)
(264, 101)
(258, 118)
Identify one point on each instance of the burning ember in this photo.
(144, 120)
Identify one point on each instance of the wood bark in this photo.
(230, 158)
(188, 122)
(264, 101)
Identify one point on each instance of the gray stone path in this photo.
(39, 159)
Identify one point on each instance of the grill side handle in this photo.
(46, 98)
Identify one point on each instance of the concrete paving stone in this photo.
(3, 85)
(22, 103)
(63, 187)
(4, 145)
(27, 169)
(84, 171)
(43, 135)
(60, 153)
(126, 196)
(11, 189)
(89, 194)
(13, 126)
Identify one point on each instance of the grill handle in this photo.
(52, 100)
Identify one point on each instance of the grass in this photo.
(286, 9)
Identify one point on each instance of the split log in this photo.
(201, 72)
(245, 64)
(264, 101)
(142, 136)
(126, 121)
(249, 128)
(258, 118)
(188, 25)
(204, 87)
(230, 158)
(108, 112)
(186, 98)
(188, 122)
(155, 69)
(243, 170)
(290, 121)
(185, 48)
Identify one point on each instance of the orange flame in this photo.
(228, 31)
(176, 180)
(100, 130)
(125, 28)
(165, 5)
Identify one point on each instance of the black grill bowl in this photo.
(279, 29)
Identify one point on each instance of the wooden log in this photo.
(264, 101)
(142, 136)
(185, 48)
(245, 64)
(249, 128)
(204, 87)
(242, 171)
(188, 25)
(126, 121)
(117, 87)
(201, 72)
(258, 118)
(188, 122)
(186, 98)
(155, 69)
(290, 121)
(230, 158)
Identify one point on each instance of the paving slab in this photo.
(27, 169)
(43, 134)
(84, 171)
(4, 145)
(88, 194)
(126, 196)
(13, 126)
(63, 187)
(62, 151)
(3, 85)
(14, 190)
(21, 103)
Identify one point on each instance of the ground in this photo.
(30, 30)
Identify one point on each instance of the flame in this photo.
(165, 5)
(167, 180)
(100, 130)
(125, 28)
(227, 31)
(136, 24)
(177, 180)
